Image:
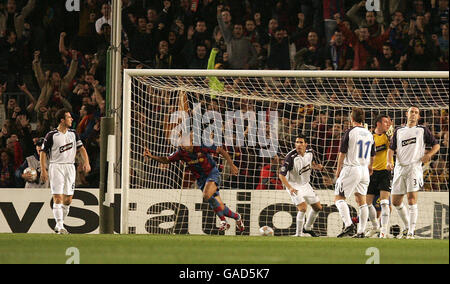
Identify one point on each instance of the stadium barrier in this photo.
(29, 211)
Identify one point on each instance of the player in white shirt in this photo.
(61, 146)
(409, 143)
(295, 176)
(353, 173)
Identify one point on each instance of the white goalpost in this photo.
(255, 116)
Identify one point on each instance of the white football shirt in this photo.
(62, 147)
(410, 142)
(358, 145)
(297, 169)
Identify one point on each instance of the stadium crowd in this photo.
(51, 58)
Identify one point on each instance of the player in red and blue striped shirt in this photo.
(204, 169)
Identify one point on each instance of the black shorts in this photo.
(379, 180)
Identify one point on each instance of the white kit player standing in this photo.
(61, 145)
(295, 176)
(409, 143)
(353, 172)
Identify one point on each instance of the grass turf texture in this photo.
(186, 249)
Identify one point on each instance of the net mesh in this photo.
(164, 198)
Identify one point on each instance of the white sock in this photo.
(363, 216)
(413, 212)
(58, 214)
(312, 215)
(300, 221)
(403, 213)
(344, 211)
(373, 216)
(65, 209)
(385, 214)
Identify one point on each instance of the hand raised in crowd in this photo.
(167, 5)
(435, 39)
(23, 120)
(337, 18)
(301, 20)
(23, 87)
(190, 32)
(4, 132)
(74, 54)
(3, 88)
(92, 17)
(257, 18)
(36, 56)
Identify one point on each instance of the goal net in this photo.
(255, 116)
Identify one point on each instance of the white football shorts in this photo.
(407, 179)
(352, 179)
(305, 193)
(62, 178)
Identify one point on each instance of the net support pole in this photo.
(126, 117)
(107, 124)
(106, 211)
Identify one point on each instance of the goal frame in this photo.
(126, 106)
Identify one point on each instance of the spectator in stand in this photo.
(269, 175)
(365, 47)
(269, 33)
(418, 57)
(32, 161)
(311, 57)
(300, 35)
(261, 56)
(388, 60)
(89, 13)
(373, 21)
(200, 60)
(12, 108)
(439, 15)
(339, 55)
(93, 148)
(23, 130)
(241, 53)
(48, 83)
(11, 19)
(163, 59)
(87, 121)
(152, 16)
(332, 150)
(251, 33)
(278, 53)
(11, 60)
(13, 146)
(418, 8)
(442, 41)
(106, 19)
(319, 130)
(141, 42)
(330, 8)
(201, 33)
(226, 20)
(419, 28)
(399, 34)
(196, 36)
(6, 170)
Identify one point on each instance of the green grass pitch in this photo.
(186, 249)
